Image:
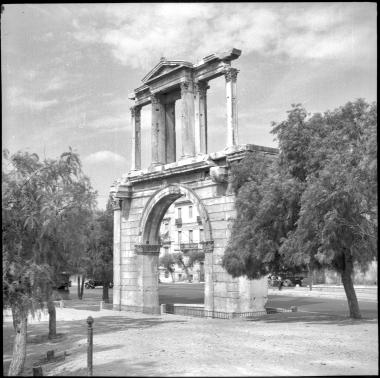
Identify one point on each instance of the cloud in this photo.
(138, 35)
(105, 157)
(109, 123)
(17, 98)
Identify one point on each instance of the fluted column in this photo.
(158, 131)
(136, 137)
(231, 100)
(187, 119)
(200, 122)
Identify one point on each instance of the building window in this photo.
(201, 235)
(190, 211)
(179, 237)
(179, 212)
(190, 236)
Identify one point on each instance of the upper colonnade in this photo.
(169, 81)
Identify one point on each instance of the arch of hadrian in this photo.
(141, 197)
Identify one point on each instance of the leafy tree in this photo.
(316, 206)
(37, 198)
(187, 260)
(168, 261)
(100, 248)
(267, 209)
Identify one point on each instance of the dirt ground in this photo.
(132, 344)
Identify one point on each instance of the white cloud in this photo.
(105, 157)
(138, 35)
(17, 98)
(109, 123)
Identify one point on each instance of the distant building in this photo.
(180, 227)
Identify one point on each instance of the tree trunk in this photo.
(348, 285)
(82, 286)
(78, 280)
(52, 320)
(310, 279)
(20, 321)
(105, 297)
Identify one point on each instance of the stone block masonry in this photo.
(142, 197)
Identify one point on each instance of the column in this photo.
(232, 126)
(136, 137)
(187, 119)
(201, 117)
(170, 132)
(158, 131)
(116, 205)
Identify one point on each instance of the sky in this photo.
(67, 70)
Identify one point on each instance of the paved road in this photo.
(194, 294)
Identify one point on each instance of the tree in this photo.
(100, 248)
(36, 198)
(316, 205)
(338, 219)
(187, 260)
(167, 261)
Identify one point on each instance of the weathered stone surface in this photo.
(142, 197)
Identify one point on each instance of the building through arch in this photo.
(142, 197)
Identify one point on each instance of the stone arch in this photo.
(157, 206)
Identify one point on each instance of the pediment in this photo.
(164, 67)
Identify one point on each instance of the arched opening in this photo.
(175, 223)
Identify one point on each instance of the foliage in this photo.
(316, 205)
(43, 205)
(167, 261)
(100, 247)
(187, 260)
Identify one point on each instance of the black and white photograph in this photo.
(189, 189)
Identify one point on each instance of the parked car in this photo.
(91, 284)
(286, 279)
(62, 281)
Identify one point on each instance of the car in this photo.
(62, 281)
(91, 284)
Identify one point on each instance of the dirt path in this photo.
(133, 344)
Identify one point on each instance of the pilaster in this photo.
(116, 205)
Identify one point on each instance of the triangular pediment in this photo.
(164, 67)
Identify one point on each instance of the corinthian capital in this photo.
(201, 87)
(187, 86)
(115, 203)
(231, 74)
(154, 99)
(135, 110)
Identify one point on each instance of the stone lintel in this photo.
(147, 249)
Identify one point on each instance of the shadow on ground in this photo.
(312, 319)
(69, 333)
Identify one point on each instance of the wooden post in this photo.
(90, 321)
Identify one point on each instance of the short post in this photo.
(37, 371)
(90, 321)
(101, 305)
(61, 303)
